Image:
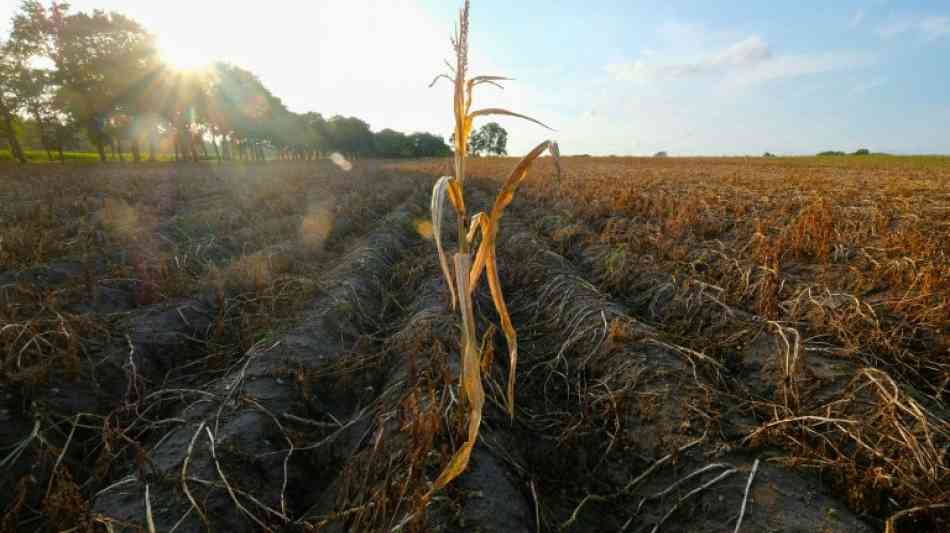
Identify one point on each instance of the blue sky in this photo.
(730, 77)
(691, 77)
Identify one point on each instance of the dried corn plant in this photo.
(468, 271)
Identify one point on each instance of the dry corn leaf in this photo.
(455, 196)
(511, 336)
(439, 77)
(477, 221)
(471, 379)
(485, 258)
(484, 79)
(479, 80)
(520, 172)
(436, 209)
(505, 196)
(485, 224)
(500, 111)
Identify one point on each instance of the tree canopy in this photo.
(101, 74)
(490, 139)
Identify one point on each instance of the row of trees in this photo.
(100, 76)
(859, 151)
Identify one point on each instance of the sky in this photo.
(611, 77)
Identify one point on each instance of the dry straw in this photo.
(469, 271)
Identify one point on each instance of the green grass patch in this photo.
(40, 156)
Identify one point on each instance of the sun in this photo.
(183, 56)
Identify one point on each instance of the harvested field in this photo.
(792, 310)
(271, 347)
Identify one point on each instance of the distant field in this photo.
(678, 319)
(892, 161)
(860, 161)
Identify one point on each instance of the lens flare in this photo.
(424, 229)
(341, 161)
(316, 226)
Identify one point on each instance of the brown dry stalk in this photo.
(468, 273)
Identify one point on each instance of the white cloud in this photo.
(930, 27)
(857, 18)
(795, 66)
(640, 70)
(935, 27)
(748, 51)
(743, 62)
(743, 53)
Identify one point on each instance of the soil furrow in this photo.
(639, 396)
(120, 372)
(245, 414)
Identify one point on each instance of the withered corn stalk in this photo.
(468, 271)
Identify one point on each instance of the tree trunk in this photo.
(118, 148)
(101, 148)
(217, 153)
(97, 136)
(15, 149)
(152, 143)
(62, 156)
(44, 131)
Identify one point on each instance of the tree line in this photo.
(97, 79)
(859, 151)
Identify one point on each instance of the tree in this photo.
(428, 145)
(103, 62)
(392, 144)
(491, 139)
(63, 73)
(31, 47)
(9, 103)
(244, 108)
(351, 136)
(318, 134)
